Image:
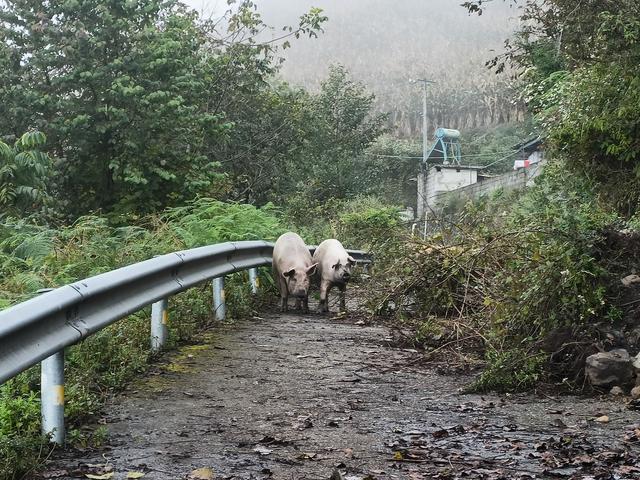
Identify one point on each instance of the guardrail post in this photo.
(219, 305)
(52, 396)
(159, 324)
(253, 279)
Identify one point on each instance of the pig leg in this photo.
(284, 295)
(324, 294)
(343, 306)
(305, 305)
(298, 304)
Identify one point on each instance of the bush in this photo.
(364, 222)
(511, 271)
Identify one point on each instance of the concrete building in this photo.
(445, 178)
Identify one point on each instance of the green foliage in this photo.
(494, 147)
(579, 70)
(23, 171)
(119, 90)
(206, 221)
(340, 127)
(510, 370)
(363, 222)
(591, 116)
(389, 172)
(509, 272)
(368, 223)
(140, 100)
(33, 257)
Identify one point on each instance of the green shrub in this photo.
(510, 271)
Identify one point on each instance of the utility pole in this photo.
(423, 170)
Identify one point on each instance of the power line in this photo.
(479, 155)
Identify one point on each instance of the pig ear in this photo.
(289, 273)
(351, 260)
(312, 269)
(336, 266)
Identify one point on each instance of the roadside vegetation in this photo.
(527, 285)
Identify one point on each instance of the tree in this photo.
(132, 95)
(23, 172)
(579, 65)
(117, 87)
(340, 126)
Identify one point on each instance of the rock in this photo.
(635, 392)
(633, 337)
(616, 391)
(630, 280)
(636, 363)
(605, 369)
(602, 419)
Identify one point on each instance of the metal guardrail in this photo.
(39, 329)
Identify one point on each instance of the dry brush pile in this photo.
(528, 285)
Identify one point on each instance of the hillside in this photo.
(386, 43)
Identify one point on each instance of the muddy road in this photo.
(308, 397)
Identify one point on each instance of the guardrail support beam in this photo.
(253, 279)
(159, 324)
(219, 304)
(52, 397)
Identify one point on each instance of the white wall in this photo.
(448, 179)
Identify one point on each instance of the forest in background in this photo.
(384, 44)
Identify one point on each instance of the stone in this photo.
(605, 369)
(635, 392)
(636, 363)
(603, 419)
(630, 280)
(616, 391)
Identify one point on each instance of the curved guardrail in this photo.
(42, 327)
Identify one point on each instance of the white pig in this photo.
(334, 269)
(292, 267)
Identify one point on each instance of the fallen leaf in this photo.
(55, 474)
(307, 456)
(398, 456)
(204, 473)
(262, 450)
(627, 469)
(104, 476)
(440, 433)
(135, 474)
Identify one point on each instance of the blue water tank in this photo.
(447, 133)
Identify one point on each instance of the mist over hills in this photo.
(385, 43)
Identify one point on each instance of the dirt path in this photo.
(297, 397)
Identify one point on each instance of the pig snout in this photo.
(300, 293)
(346, 276)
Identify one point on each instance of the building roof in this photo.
(458, 167)
(529, 145)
